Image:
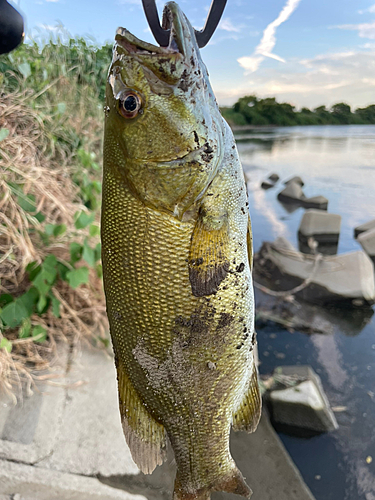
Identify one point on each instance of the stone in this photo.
(301, 401)
(319, 202)
(324, 227)
(346, 278)
(32, 483)
(273, 178)
(296, 179)
(267, 184)
(364, 227)
(292, 193)
(367, 241)
(321, 227)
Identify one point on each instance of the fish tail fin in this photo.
(233, 482)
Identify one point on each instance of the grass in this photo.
(51, 123)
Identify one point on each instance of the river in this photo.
(337, 162)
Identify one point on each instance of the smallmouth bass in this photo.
(177, 256)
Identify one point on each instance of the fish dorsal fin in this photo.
(145, 437)
(208, 255)
(247, 415)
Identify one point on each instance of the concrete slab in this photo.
(90, 438)
(296, 179)
(367, 241)
(26, 482)
(28, 431)
(321, 225)
(367, 226)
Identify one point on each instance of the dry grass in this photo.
(37, 159)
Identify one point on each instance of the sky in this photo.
(306, 52)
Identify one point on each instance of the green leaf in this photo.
(27, 202)
(42, 302)
(62, 269)
(98, 252)
(99, 271)
(25, 329)
(88, 254)
(55, 306)
(33, 269)
(55, 229)
(29, 299)
(14, 313)
(83, 219)
(41, 284)
(48, 229)
(75, 252)
(94, 230)
(25, 69)
(39, 333)
(5, 298)
(40, 217)
(4, 132)
(6, 344)
(78, 276)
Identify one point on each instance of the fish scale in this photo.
(176, 251)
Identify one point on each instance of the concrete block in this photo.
(292, 193)
(274, 177)
(341, 278)
(29, 430)
(321, 225)
(303, 404)
(318, 202)
(32, 483)
(296, 179)
(90, 438)
(367, 241)
(367, 226)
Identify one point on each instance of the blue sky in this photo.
(307, 52)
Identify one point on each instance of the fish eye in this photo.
(130, 104)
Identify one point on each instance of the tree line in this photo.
(251, 110)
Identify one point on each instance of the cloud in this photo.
(268, 41)
(227, 25)
(371, 9)
(365, 30)
(347, 76)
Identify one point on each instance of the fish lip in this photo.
(173, 20)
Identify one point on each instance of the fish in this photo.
(177, 257)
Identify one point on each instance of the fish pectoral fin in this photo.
(144, 435)
(247, 416)
(249, 240)
(208, 256)
(232, 482)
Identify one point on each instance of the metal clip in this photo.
(203, 36)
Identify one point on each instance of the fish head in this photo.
(162, 117)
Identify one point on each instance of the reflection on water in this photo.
(337, 162)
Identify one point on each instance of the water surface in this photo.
(337, 162)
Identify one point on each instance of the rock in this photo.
(267, 184)
(321, 227)
(300, 400)
(367, 241)
(274, 178)
(319, 202)
(291, 194)
(296, 179)
(270, 181)
(347, 278)
(364, 227)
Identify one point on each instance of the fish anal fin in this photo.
(144, 435)
(208, 256)
(233, 482)
(247, 415)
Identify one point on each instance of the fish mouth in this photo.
(204, 154)
(173, 20)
